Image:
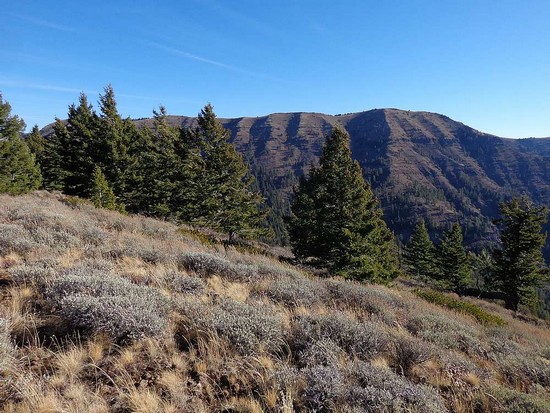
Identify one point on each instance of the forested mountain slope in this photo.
(421, 164)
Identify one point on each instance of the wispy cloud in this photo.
(73, 90)
(187, 55)
(39, 86)
(45, 23)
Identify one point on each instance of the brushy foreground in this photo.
(101, 312)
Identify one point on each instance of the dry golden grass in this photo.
(233, 290)
(69, 363)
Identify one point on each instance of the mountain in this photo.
(421, 164)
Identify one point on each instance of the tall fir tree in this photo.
(35, 142)
(152, 181)
(455, 270)
(520, 266)
(52, 160)
(220, 180)
(112, 143)
(419, 253)
(18, 170)
(78, 154)
(337, 221)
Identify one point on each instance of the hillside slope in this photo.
(101, 312)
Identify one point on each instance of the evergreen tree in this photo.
(35, 142)
(337, 221)
(102, 195)
(219, 181)
(419, 253)
(520, 266)
(483, 267)
(113, 140)
(454, 267)
(152, 178)
(18, 170)
(52, 160)
(79, 158)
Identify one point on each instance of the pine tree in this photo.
(337, 221)
(18, 170)
(520, 266)
(419, 253)
(102, 196)
(220, 181)
(454, 267)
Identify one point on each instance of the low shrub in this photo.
(371, 299)
(460, 306)
(249, 329)
(14, 238)
(325, 388)
(505, 400)
(104, 303)
(362, 340)
(381, 390)
(33, 272)
(447, 332)
(295, 292)
(205, 264)
(323, 352)
(523, 370)
(184, 284)
(410, 351)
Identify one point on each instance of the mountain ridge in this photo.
(422, 165)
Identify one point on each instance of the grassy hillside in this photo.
(101, 312)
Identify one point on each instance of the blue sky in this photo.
(484, 63)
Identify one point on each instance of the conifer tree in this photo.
(102, 195)
(220, 180)
(53, 157)
(152, 180)
(337, 220)
(35, 142)
(454, 271)
(113, 140)
(520, 266)
(419, 253)
(79, 157)
(18, 170)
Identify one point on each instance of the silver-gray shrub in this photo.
(108, 304)
(295, 292)
(325, 388)
(323, 352)
(205, 264)
(247, 328)
(184, 284)
(363, 340)
(15, 238)
(381, 390)
(34, 272)
(447, 332)
(523, 367)
(371, 299)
